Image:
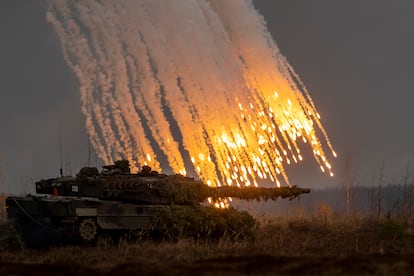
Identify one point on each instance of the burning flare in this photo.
(198, 80)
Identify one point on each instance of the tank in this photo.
(94, 206)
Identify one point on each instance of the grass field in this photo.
(318, 244)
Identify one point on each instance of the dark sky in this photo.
(355, 57)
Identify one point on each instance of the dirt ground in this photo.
(257, 265)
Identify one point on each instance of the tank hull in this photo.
(66, 219)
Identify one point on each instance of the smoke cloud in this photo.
(188, 80)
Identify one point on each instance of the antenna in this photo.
(89, 153)
(60, 151)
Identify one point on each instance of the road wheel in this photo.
(88, 229)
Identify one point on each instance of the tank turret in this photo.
(116, 182)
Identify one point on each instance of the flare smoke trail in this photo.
(188, 79)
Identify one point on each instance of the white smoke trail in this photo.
(192, 79)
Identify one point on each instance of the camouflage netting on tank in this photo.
(193, 193)
(187, 192)
(202, 223)
(178, 189)
(183, 191)
(149, 187)
(88, 172)
(257, 193)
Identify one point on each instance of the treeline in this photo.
(390, 201)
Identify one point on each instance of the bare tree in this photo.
(348, 182)
(3, 196)
(407, 193)
(376, 195)
(2, 186)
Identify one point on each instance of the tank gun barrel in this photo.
(195, 192)
(257, 193)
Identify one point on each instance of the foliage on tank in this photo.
(195, 192)
(202, 223)
(257, 193)
(150, 187)
(88, 172)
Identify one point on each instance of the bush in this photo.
(392, 229)
(202, 223)
(9, 238)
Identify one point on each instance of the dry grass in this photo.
(315, 237)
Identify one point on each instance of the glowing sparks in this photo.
(220, 94)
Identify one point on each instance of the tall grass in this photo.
(320, 235)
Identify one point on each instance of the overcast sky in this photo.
(356, 58)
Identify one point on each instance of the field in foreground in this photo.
(334, 245)
(255, 265)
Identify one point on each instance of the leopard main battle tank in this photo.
(98, 206)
